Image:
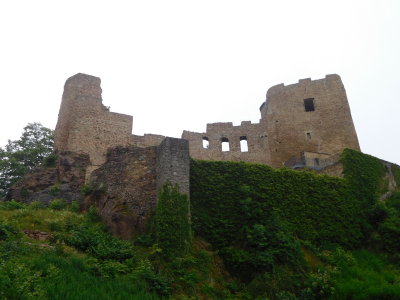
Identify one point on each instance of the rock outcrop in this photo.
(125, 189)
(63, 180)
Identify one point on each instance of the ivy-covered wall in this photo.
(237, 205)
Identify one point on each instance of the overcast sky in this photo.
(178, 65)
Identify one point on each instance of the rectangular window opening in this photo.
(309, 104)
(206, 143)
(224, 144)
(243, 144)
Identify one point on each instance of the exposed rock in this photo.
(126, 185)
(125, 189)
(37, 234)
(43, 184)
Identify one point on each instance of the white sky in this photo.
(178, 65)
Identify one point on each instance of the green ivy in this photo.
(254, 214)
(172, 221)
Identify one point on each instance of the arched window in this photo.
(206, 142)
(243, 144)
(224, 144)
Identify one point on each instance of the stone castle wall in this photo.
(286, 127)
(310, 116)
(254, 135)
(327, 128)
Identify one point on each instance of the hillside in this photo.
(257, 233)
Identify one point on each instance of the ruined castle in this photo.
(304, 124)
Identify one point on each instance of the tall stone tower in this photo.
(312, 115)
(85, 125)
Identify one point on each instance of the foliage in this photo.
(99, 244)
(367, 276)
(50, 160)
(254, 214)
(54, 189)
(57, 204)
(12, 205)
(365, 175)
(51, 269)
(396, 174)
(20, 156)
(86, 189)
(173, 221)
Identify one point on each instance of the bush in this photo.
(50, 161)
(36, 205)
(74, 206)
(12, 205)
(86, 189)
(54, 189)
(8, 231)
(92, 215)
(57, 204)
(102, 245)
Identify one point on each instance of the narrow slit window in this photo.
(308, 135)
(317, 161)
(309, 104)
(243, 144)
(206, 143)
(225, 144)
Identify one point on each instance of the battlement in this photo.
(328, 80)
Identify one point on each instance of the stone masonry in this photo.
(312, 116)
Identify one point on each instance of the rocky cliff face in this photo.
(125, 189)
(64, 180)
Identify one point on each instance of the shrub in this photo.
(86, 189)
(74, 206)
(99, 244)
(36, 205)
(57, 204)
(92, 215)
(12, 205)
(50, 160)
(54, 189)
(8, 231)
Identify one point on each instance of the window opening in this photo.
(206, 143)
(309, 104)
(308, 135)
(224, 144)
(243, 144)
(317, 161)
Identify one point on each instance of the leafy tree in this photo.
(20, 156)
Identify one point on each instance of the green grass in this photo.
(370, 276)
(52, 269)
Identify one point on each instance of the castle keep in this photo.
(309, 121)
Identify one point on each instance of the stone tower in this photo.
(85, 125)
(312, 116)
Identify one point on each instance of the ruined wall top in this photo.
(287, 125)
